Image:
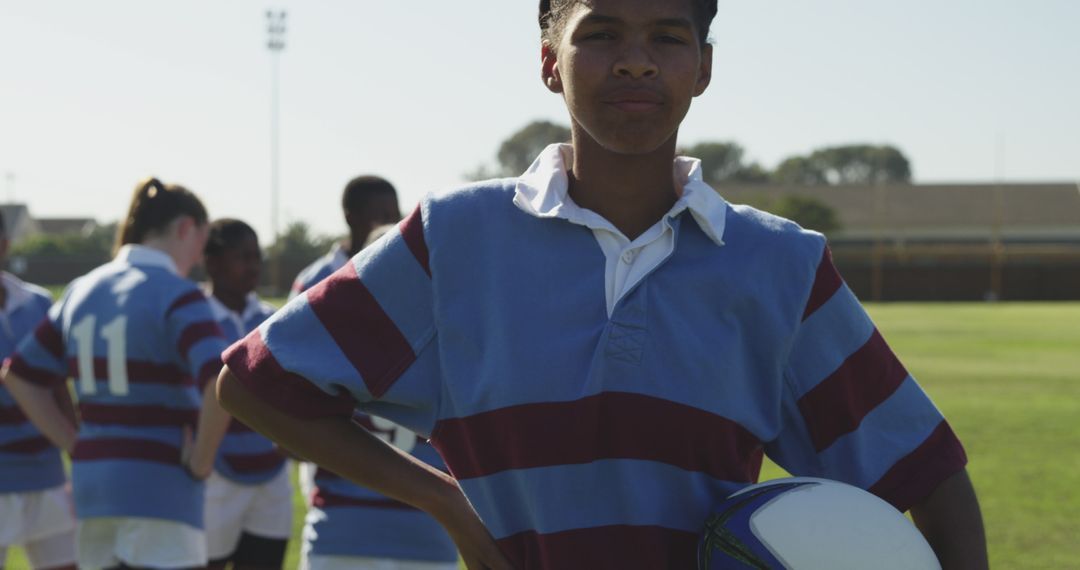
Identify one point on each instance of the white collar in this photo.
(252, 305)
(134, 254)
(543, 191)
(18, 292)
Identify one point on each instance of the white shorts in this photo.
(363, 563)
(145, 543)
(263, 510)
(42, 523)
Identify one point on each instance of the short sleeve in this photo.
(359, 338)
(198, 338)
(852, 412)
(39, 357)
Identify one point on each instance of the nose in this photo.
(635, 62)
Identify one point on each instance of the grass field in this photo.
(1008, 378)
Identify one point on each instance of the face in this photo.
(380, 209)
(628, 70)
(238, 267)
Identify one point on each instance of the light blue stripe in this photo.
(608, 492)
(245, 443)
(304, 347)
(139, 394)
(393, 275)
(892, 430)
(123, 488)
(826, 339)
(379, 533)
(169, 435)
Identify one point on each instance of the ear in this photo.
(184, 226)
(549, 69)
(705, 72)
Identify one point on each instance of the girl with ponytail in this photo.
(141, 344)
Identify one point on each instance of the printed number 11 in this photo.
(115, 342)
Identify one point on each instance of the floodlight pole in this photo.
(275, 28)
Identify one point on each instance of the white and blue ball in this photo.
(803, 523)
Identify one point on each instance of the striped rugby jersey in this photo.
(245, 457)
(350, 520)
(28, 461)
(141, 343)
(585, 441)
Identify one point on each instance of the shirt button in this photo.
(628, 256)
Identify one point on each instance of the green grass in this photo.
(1008, 378)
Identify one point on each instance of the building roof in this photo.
(1037, 211)
(60, 226)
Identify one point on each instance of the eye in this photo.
(599, 36)
(671, 39)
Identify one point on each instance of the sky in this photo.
(96, 95)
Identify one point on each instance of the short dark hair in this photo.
(553, 15)
(359, 189)
(153, 207)
(226, 233)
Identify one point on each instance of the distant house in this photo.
(64, 226)
(18, 222)
(948, 241)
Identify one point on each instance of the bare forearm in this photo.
(951, 522)
(213, 423)
(41, 407)
(368, 461)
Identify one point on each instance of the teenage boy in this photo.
(602, 348)
(367, 202)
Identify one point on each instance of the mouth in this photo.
(636, 101)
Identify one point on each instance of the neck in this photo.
(235, 301)
(631, 191)
(354, 243)
(170, 248)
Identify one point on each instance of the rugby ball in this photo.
(804, 523)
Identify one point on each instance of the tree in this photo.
(96, 245)
(847, 164)
(297, 242)
(808, 212)
(722, 162)
(519, 151)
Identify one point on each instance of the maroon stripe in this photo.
(256, 368)
(11, 415)
(914, 477)
(412, 231)
(24, 370)
(30, 445)
(613, 547)
(826, 283)
(184, 300)
(196, 332)
(125, 448)
(149, 416)
(612, 425)
(138, 372)
(254, 463)
(324, 499)
(838, 404)
(209, 371)
(368, 337)
(50, 339)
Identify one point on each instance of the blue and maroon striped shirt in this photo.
(245, 456)
(351, 520)
(141, 343)
(589, 441)
(28, 461)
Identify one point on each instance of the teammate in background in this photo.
(603, 348)
(347, 526)
(368, 202)
(248, 497)
(35, 502)
(142, 344)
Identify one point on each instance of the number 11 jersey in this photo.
(140, 342)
